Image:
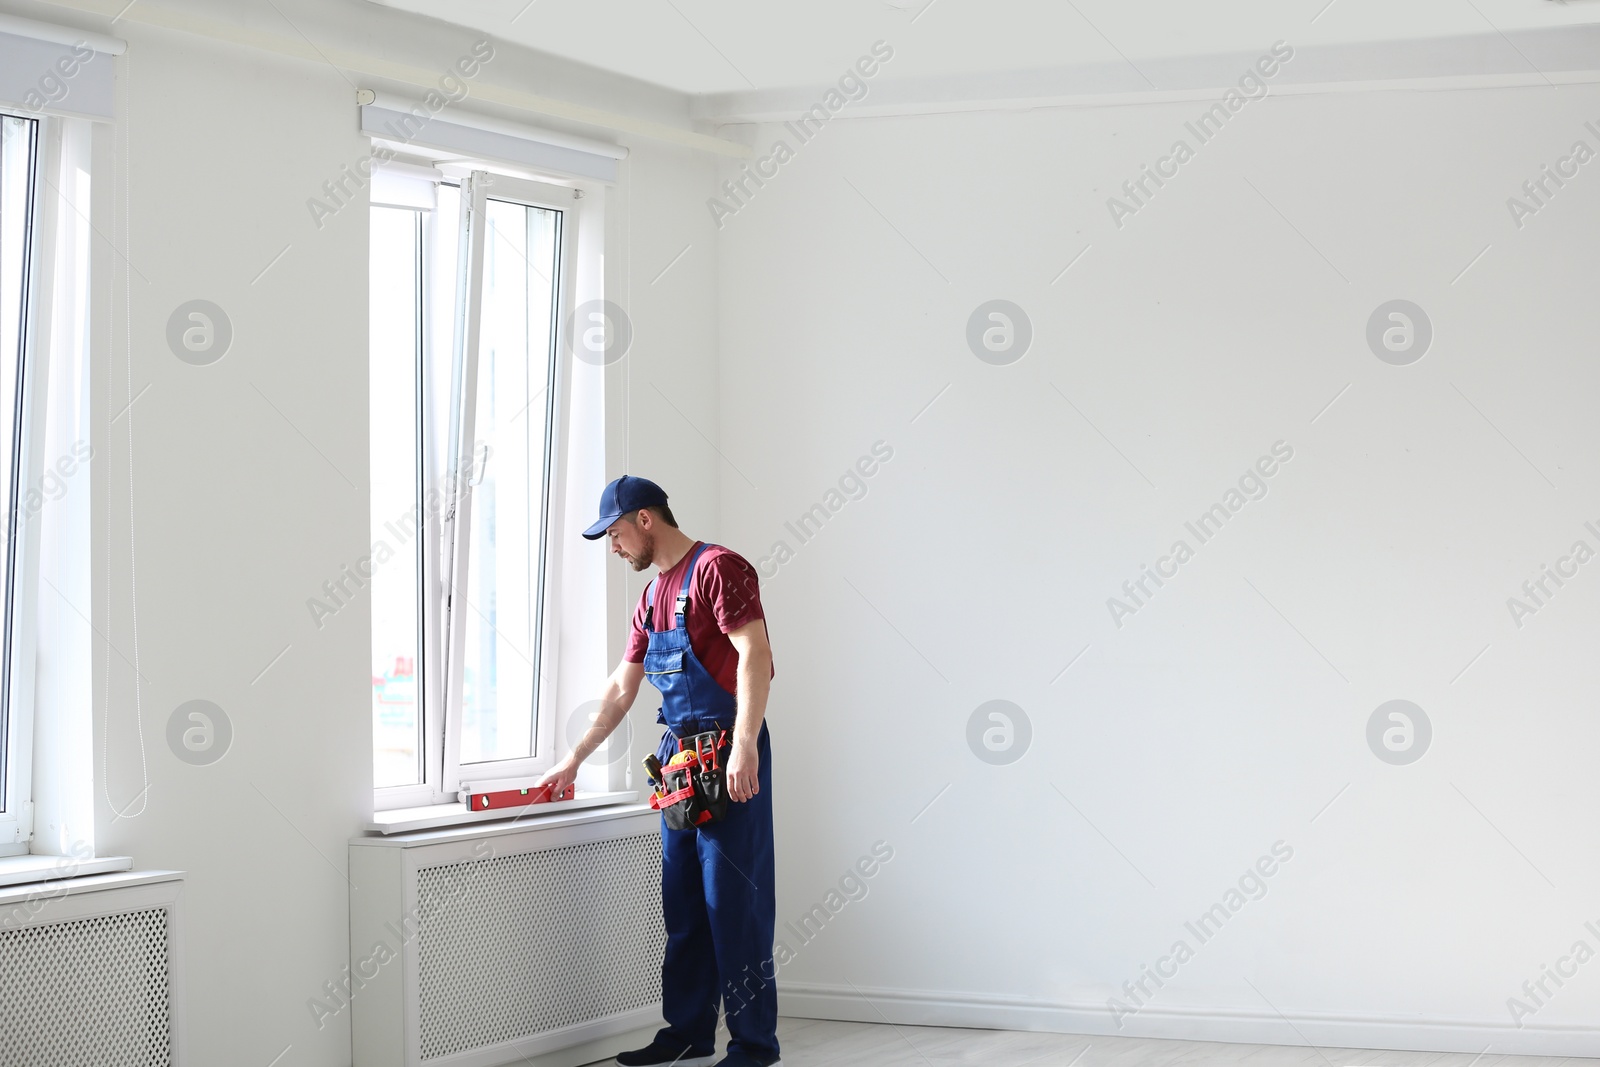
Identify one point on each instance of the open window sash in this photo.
(501, 551)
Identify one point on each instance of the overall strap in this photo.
(688, 576)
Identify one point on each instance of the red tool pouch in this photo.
(695, 792)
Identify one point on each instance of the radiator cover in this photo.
(599, 947)
(88, 974)
(506, 941)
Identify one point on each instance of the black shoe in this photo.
(744, 1059)
(659, 1054)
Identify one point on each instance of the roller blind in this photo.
(46, 69)
(402, 123)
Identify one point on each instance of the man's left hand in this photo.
(744, 768)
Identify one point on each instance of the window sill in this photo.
(20, 870)
(434, 816)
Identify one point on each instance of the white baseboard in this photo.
(581, 1043)
(1324, 1030)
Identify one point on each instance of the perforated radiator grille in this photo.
(88, 992)
(513, 946)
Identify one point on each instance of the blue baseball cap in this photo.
(622, 496)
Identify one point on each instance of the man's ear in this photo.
(644, 519)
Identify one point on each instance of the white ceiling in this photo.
(731, 46)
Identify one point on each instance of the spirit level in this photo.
(518, 798)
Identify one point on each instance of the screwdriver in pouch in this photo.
(652, 767)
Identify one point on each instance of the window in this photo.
(471, 282)
(19, 150)
(396, 340)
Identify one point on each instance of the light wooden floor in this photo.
(814, 1043)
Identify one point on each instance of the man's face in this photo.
(633, 541)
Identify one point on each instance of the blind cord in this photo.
(133, 587)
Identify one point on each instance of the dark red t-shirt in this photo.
(724, 595)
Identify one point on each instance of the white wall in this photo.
(1226, 714)
(250, 490)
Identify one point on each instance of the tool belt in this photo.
(694, 784)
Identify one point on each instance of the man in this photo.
(700, 637)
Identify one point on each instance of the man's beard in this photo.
(648, 553)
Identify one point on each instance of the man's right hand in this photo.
(562, 774)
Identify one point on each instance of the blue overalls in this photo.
(717, 881)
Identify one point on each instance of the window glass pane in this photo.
(395, 336)
(516, 365)
(16, 159)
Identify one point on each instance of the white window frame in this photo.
(18, 603)
(426, 557)
(444, 568)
